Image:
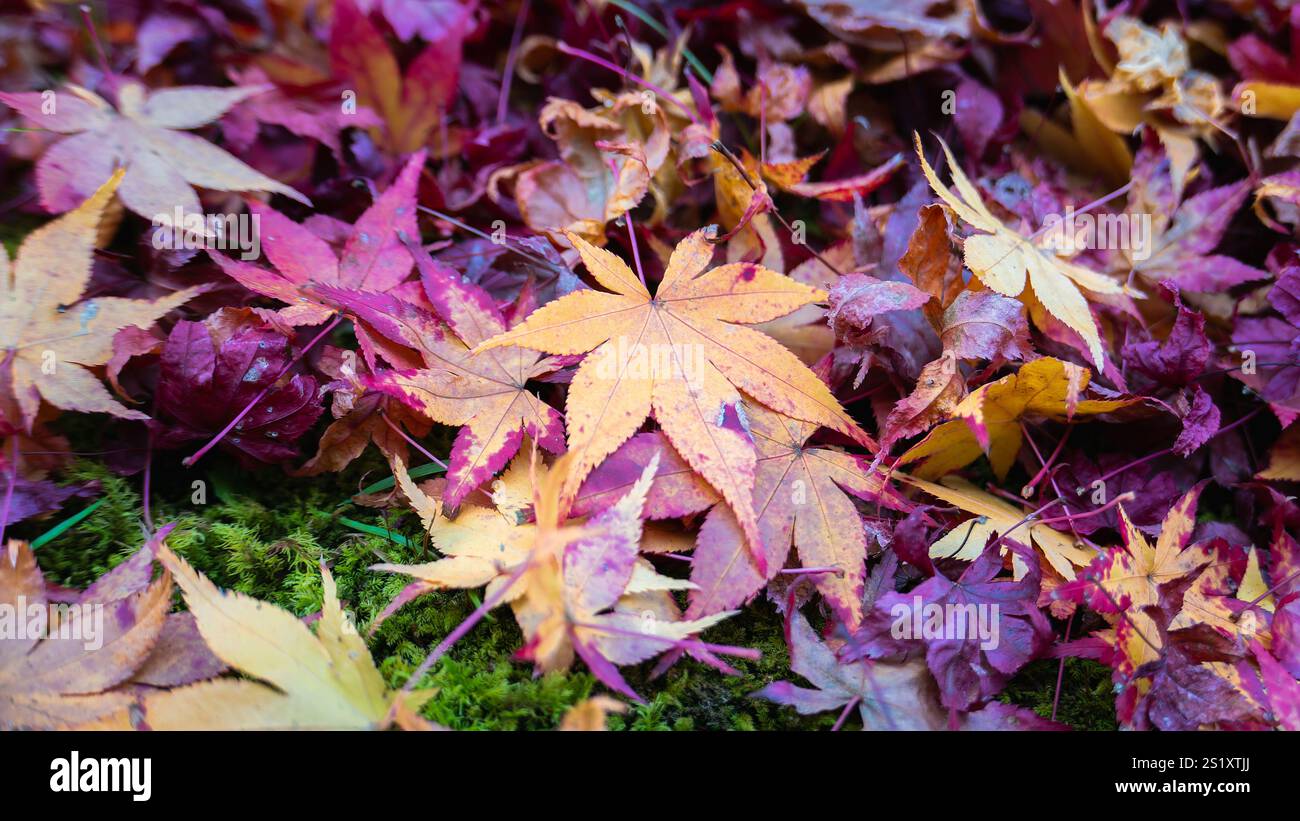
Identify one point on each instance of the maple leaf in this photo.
(324, 680)
(1184, 232)
(988, 421)
(374, 257)
(888, 695)
(968, 668)
(1184, 686)
(484, 392)
(210, 372)
(145, 135)
(68, 678)
(1133, 573)
(1001, 258)
(1126, 582)
(994, 516)
(801, 495)
(51, 337)
(576, 586)
(411, 103)
(682, 355)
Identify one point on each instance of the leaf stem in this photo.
(508, 73)
(409, 440)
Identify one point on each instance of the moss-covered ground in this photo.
(263, 533)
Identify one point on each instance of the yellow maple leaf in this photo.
(988, 420)
(685, 355)
(1125, 580)
(576, 586)
(325, 680)
(49, 336)
(1006, 261)
(994, 516)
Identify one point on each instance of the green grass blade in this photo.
(65, 525)
(395, 538)
(644, 16)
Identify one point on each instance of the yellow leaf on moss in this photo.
(321, 680)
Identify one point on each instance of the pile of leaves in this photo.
(964, 338)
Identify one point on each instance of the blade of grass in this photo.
(419, 472)
(395, 538)
(662, 30)
(66, 525)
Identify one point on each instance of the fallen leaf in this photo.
(1002, 258)
(801, 495)
(889, 695)
(485, 393)
(988, 421)
(61, 671)
(682, 355)
(146, 136)
(374, 258)
(51, 335)
(321, 680)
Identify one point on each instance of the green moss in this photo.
(1087, 694)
